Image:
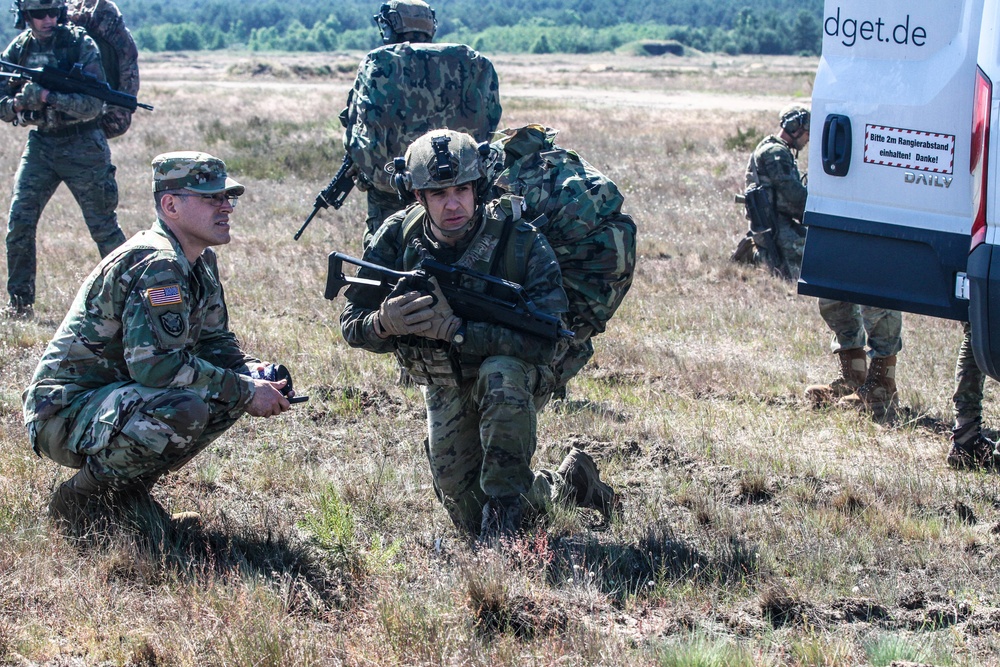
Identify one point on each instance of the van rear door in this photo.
(890, 191)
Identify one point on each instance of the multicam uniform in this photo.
(773, 164)
(482, 396)
(854, 325)
(970, 382)
(143, 372)
(66, 146)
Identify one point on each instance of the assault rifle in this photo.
(73, 81)
(763, 227)
(333, 194)
(512, 308)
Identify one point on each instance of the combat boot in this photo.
(77, 501)
(878, 393)
(18, 310)
(971, 450)
(853, 369)
(586, 489)
(501, 519)
(135, 505)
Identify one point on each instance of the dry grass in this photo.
(755, 530)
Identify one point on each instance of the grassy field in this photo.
(755, 531)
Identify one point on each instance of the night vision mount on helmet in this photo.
(440, 159)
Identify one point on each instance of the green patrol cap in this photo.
(191, 170)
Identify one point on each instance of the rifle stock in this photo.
(75, 81)
(333, 194)
(513, 309)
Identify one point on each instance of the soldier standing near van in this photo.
(780, 238)
(482, 383)
(970, 449)
(66, 145)
(870, 388)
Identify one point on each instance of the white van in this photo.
(901, 183)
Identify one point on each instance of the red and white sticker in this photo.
(910, 149)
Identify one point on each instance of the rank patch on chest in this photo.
(164, 296)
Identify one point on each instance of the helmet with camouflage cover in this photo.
(793, 118)
(23, 6)
(406, 21)
(440, 159)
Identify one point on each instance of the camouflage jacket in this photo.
(144, 315)
(69, 45)
(541, 280)
(776, 168)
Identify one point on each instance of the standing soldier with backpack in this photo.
(482, 383)
(67, 144)
(406, 88)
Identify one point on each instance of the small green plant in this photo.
(885, 649)
(699, 650)
(743, 141)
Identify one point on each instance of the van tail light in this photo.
(979, 159)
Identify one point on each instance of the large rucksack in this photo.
(403, 91)
(104, 23)
(579, 210)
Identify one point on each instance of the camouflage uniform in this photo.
(854, 325)
(481, 396)
(969, 383)
(774, 165)
(66, 146)
(143, 372)
(401, 92)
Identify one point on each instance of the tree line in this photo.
(492, 26)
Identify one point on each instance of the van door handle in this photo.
(837, 145)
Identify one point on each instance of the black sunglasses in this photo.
(45, 13)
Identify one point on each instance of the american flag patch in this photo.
(164, 296)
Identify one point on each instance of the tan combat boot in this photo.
(585, 487)
(878, 393)
(77, 502)
(853, 368)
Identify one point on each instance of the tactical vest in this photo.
(67, 51)
(498, 249)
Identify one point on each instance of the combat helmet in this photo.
(406, 21)
(794, 118)
(22, 6)
(441, 159)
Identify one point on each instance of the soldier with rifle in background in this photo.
(482, 382)
(66, 144)
(404, 89)
(775, 198)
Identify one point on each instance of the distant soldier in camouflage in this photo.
(482, 383)
(144, 372)
(773, 166)
(406, 88)
(970, 449)
(65, 146)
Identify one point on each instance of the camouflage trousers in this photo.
(380, 206)
(969, 383)
(481, 438)
(855, 325)
(126, 431)
(83, 163)
(791, 241)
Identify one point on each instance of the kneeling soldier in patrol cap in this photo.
(482, 383)
(144, 372)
